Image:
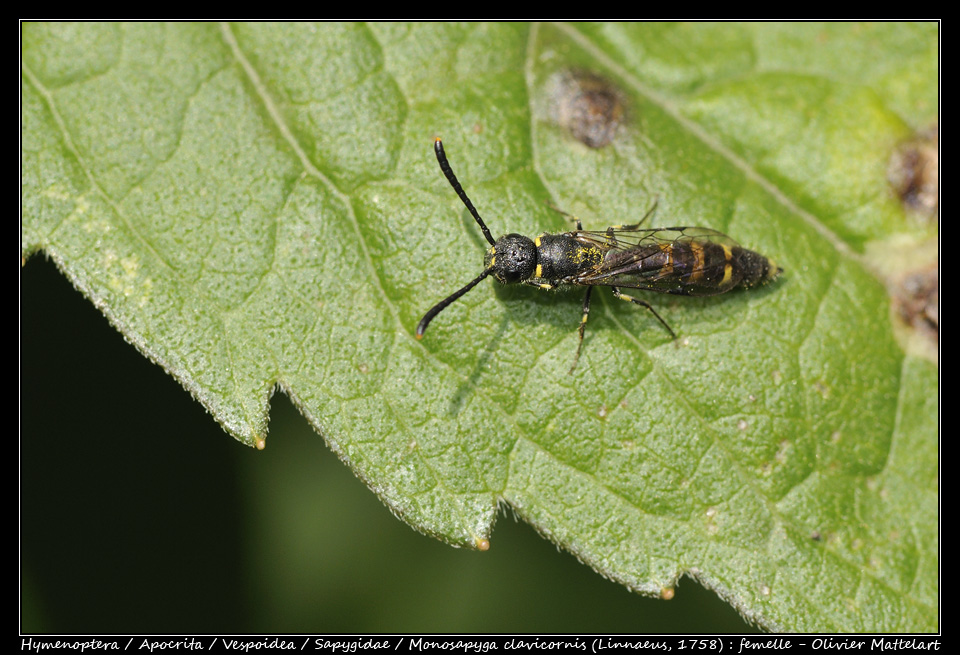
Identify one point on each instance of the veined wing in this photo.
(693, 261)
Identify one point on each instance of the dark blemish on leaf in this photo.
(589, 106)
(815, 535)
(914, 173)
(917, 300)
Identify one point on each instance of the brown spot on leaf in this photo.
(914, 172)
(917, 300)
(589, 106)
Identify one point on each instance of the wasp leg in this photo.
(570, 217)
(635, 226)
(643, 303)
(583, 326)
(546, 286)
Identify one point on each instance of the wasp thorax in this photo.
(513, 257)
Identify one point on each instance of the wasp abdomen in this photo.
(685, 266)
(754, 267)
(706, 268)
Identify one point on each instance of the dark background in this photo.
(138, 513)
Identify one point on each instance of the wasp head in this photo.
(513, 258)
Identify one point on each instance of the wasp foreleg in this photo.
(546, 286)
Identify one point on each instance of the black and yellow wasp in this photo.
(686, 261)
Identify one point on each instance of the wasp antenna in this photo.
(443, 304)
(452, 179)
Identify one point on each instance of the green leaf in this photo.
(258, 207)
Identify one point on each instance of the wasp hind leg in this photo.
(582, 328)
(643, 303)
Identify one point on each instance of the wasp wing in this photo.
(690, 261)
